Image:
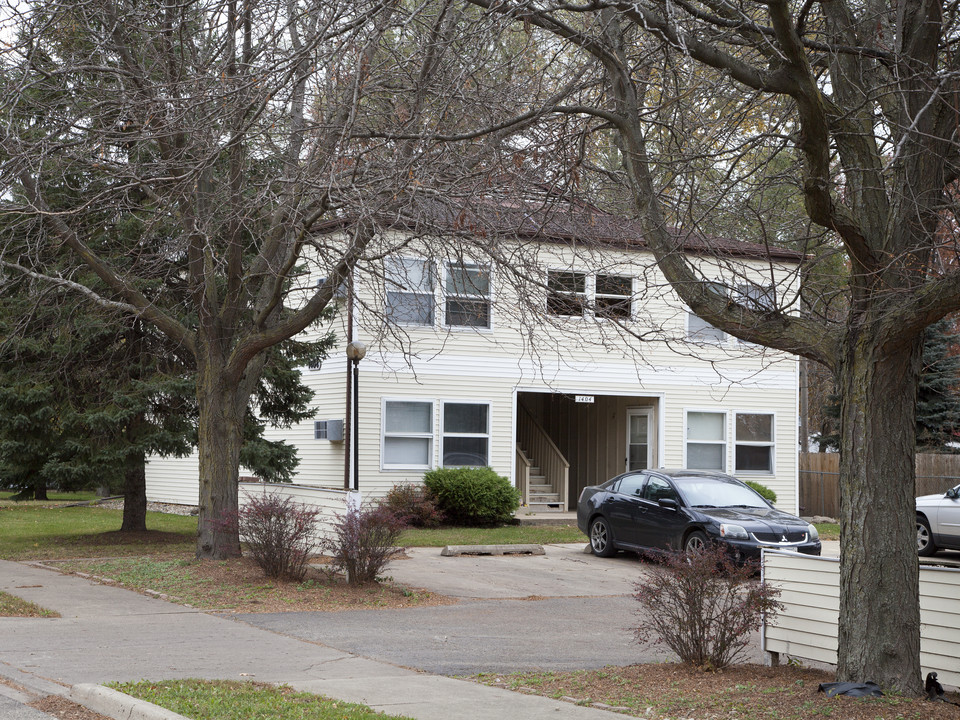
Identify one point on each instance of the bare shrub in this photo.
(703, 606)
(413, 506)
(279, 533)
(362, 542)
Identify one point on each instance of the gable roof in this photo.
(561, 220)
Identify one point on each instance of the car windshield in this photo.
(717, 492)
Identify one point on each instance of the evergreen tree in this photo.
(85, 397)
(938, 399)
(938, 395)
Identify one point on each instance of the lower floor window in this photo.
(466, 434)
(754, 452)
(407, 434)
(706, 440)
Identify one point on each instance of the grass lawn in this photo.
(828, 531)
(11, 606)
(53, 497)
(667, 691)
(31, 531)
(222, 700)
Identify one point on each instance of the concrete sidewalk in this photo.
(107, 633)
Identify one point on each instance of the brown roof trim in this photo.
(560, 222)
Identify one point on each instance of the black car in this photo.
(683, 510)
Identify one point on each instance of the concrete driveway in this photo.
(565, 610)
(564, 571)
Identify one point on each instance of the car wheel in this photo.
(925, 546)
(601, 542)
(696, 542)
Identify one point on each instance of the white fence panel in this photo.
(808, 626)
(330, 502)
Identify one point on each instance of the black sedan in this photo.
(683, 510)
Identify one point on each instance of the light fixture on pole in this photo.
(356, 351)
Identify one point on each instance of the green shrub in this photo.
(764, 491)
(472, 496)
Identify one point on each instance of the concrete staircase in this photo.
(543, 496)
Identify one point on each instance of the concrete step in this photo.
(544, 498)
(545, 507)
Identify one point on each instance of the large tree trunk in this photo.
(879, 571)
(135, 496)
(220, 430)
(40, 490)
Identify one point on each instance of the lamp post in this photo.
(356, 351)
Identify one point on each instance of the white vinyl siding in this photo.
(407, 438)
(755, 448)
(466, 434)
(807, 627)
(706, 440)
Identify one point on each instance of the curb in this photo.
(457, 550)
(117, 705)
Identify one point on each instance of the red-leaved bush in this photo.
(362, 542)
(279, 533)
(412, 505)
(703, 605)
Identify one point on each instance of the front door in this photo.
(639, 439)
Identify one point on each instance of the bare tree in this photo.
(219, 137)
(856, 104)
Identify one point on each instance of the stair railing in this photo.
(541, 449)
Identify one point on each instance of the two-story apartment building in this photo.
(551, 349)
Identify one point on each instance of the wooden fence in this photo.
(820, 479)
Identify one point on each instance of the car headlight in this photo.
(732, 532)
(812, 532)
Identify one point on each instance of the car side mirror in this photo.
(668, 503)
(951, 494)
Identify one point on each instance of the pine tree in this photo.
(938, 399)
(938, 395)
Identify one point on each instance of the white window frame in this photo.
(724, 443)
(572, 294)
(444, 434)
(429, 296)
(429, 436)
(448, 294)
(772, 443)
(597, 295)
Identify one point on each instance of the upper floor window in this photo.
(698, 329)
(566, 293)
(613, 294)
(756, 297)
(409, 291)
(467, 295)
(569, 293)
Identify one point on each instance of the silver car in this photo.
(938, 522)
